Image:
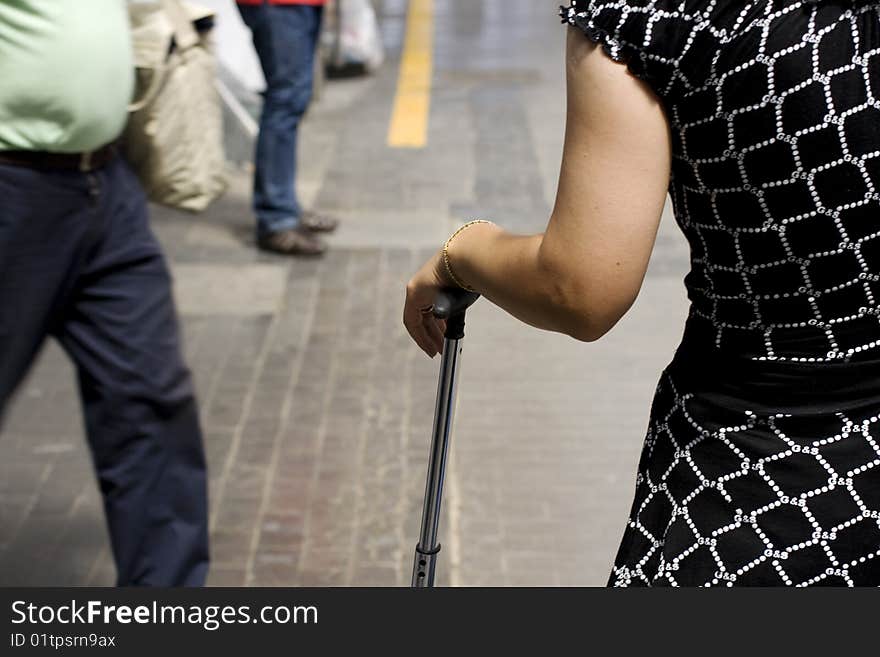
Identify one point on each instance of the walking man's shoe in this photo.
(317, 222)
(296, 241)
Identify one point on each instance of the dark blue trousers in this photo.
(78, 262)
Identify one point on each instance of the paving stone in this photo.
(210, 289)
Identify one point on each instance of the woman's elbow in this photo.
(585, 305)
(583, 314)
(588, 328)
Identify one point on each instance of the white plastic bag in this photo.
(358, 42)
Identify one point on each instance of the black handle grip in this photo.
(453, 301)
(451, 304)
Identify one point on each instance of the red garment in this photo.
(282, 2)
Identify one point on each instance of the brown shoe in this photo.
(297, 241)
(317, 222)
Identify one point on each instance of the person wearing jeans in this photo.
(285, 35)
(79, 263)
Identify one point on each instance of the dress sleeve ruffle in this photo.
(585, 17)
(669, 44)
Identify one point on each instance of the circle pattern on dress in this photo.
(775, 110)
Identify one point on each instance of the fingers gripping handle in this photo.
(451, 304)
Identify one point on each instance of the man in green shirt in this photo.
(79, 263)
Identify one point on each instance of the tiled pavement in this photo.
(317, 409)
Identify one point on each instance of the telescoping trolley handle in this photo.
(450, 305)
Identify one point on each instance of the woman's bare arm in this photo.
(585, 271)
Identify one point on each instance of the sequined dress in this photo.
(761, 464)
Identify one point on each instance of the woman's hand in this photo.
(421, 291)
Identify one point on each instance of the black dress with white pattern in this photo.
(762, 460)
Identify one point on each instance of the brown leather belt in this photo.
(44, 161)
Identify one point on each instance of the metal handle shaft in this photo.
(450, 305)
(428, 546)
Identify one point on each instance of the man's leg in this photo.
(120, 328)
(285, 38)
(43, 220)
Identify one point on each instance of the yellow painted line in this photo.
(412, 103)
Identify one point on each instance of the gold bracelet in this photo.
(449, 271)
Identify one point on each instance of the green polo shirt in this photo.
(66, 74)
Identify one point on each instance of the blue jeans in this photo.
(78, 262)
(285, 38)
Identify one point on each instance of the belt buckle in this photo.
(85, 161)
